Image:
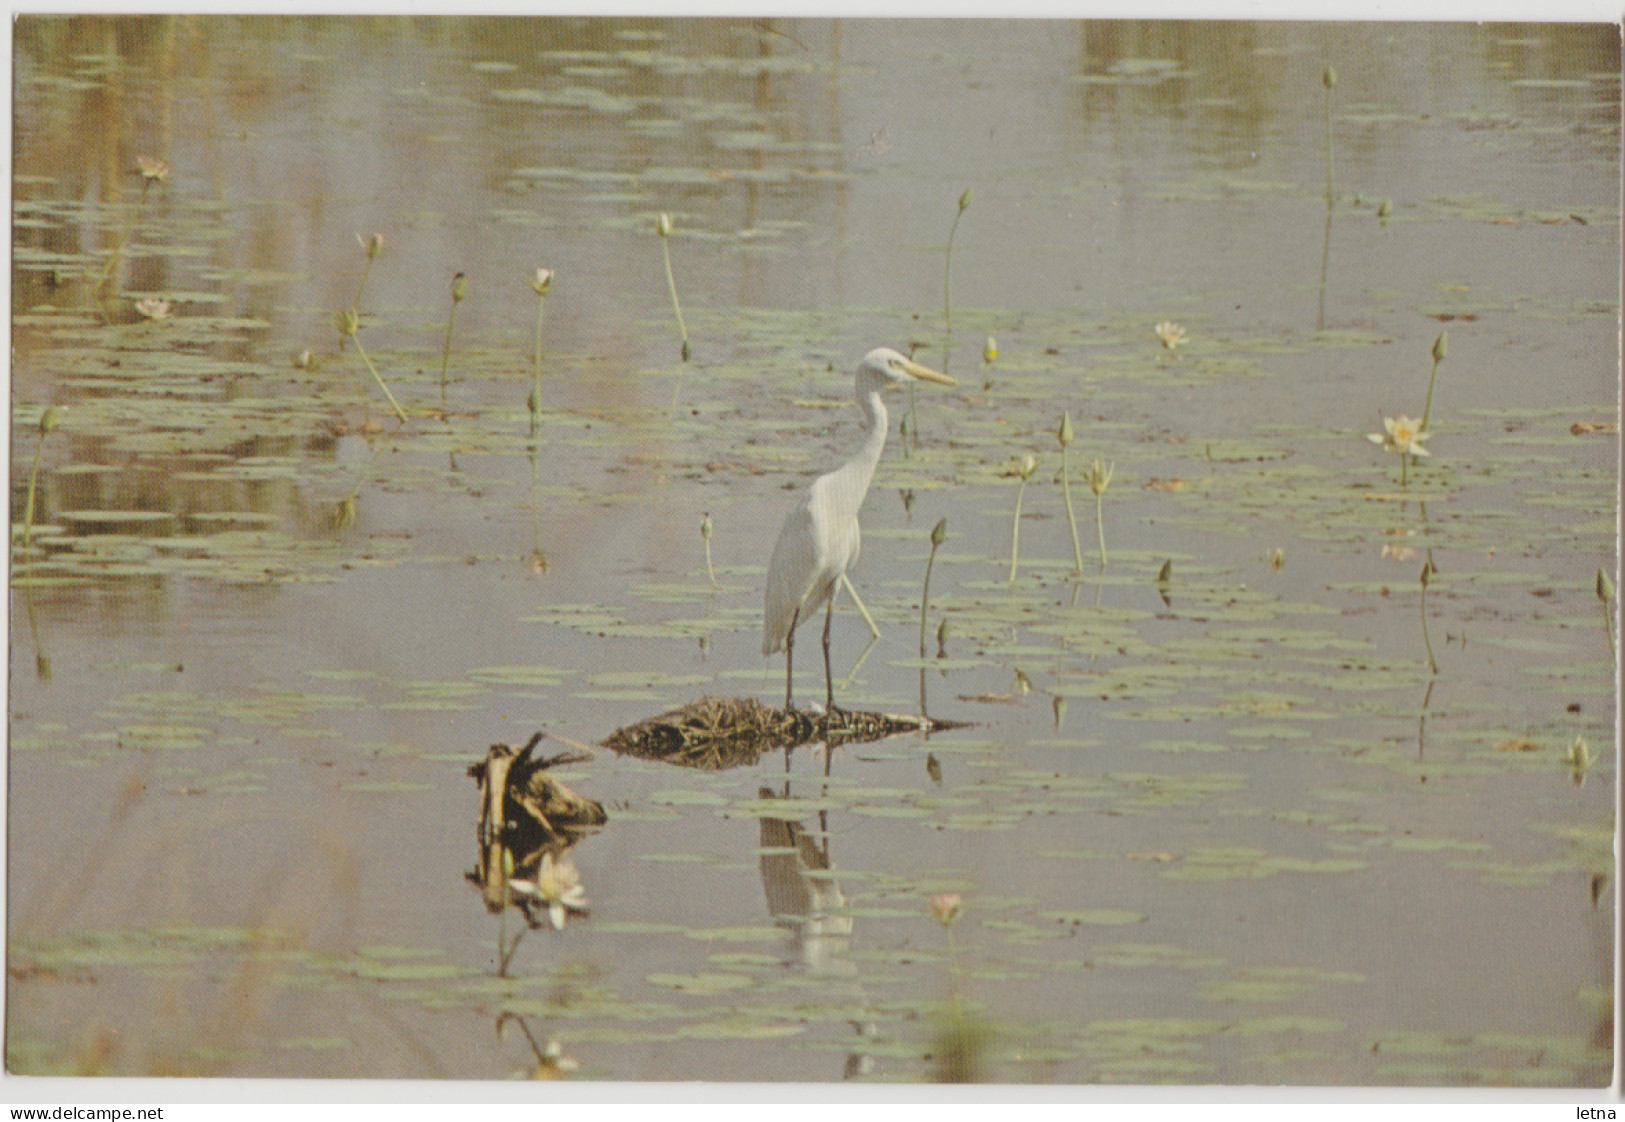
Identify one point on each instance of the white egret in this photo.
(819, 541)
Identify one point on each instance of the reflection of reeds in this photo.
(1427, 574)
(372, 246)
(47, 423)
(152, 171)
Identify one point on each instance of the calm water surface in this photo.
(1226, 828)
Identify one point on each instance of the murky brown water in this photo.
(1243, 836)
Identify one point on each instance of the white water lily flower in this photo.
(1170, 333)
(153, 308)
(1403, 435)
(557, 885)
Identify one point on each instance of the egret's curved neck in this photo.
(850, 482)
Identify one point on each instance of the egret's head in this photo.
(884, 367)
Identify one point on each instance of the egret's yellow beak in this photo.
(926, 374)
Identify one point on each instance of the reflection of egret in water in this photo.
(804, 898)
(820, 537)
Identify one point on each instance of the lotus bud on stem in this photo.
(348, 323)
(663, 228)
(1328, 78)
(1064, 436)
(1024, 470)
(939, 534)
(1100, 476)
(990, 352)
(539, 284)
(459, 288)
(1439, 346)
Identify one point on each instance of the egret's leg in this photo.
(789, 652)
(829, 680)
(846, 583)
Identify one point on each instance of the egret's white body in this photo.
(819, 541)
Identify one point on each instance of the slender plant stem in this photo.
(925, 596)
(1427, 406)
(123, 240)
(33, 478)
(445, 354)
(1607, 614)
(1071, 517)
(395, 405)
(1330, 196)
(1100, 530)
(536, 384)
(947, 305)
(1433, 664)
(365, 273)
(846, 583)
(1015, 528)
(671, 285)
(1327, 80)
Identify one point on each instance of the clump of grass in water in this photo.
(1100, 477)
(1064, 436)
(48, 421)
(1024, 470)
(348, 322)
(459, 288)
(1605, 593)
(663, 228)
(539, 284)
(939, 534)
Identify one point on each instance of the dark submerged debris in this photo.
(722, 732)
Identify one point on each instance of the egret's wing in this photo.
(792, 575)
